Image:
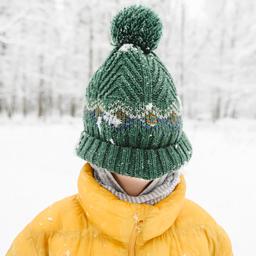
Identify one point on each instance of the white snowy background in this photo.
(48, 51)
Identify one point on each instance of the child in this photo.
(131, 193)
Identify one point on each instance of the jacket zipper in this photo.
(132, 241)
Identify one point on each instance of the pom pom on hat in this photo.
(137, 25)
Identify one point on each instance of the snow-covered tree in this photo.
(50, 48)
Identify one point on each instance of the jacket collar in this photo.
(115, 217)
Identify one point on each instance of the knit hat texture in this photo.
(132, 113)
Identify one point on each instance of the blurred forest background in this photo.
(50, 48)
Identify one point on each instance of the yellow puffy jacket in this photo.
(95, 222)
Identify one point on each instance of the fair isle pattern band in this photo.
(139, 110)
(150, 115)
(157, 190)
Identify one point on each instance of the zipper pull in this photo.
(138, 221)
(133, 237)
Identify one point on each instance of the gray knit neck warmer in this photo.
(158, 189)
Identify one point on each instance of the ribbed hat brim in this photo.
(135, 162)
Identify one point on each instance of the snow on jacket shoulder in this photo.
(96, 222)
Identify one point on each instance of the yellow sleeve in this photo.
(34, 239)
(219, 242)
(225, 246)
(23, 244)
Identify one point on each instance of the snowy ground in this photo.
(38, 166)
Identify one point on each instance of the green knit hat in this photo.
(132, 114)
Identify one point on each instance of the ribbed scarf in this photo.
(158, 189)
